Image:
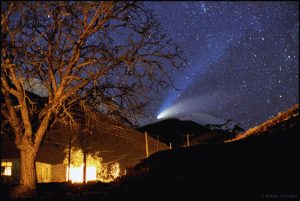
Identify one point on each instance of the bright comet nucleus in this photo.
(170, 112)
(165, 113)
(162, 115)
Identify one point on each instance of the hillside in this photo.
(249, 169)
(174, 130)
(215, 136)
(269, 125)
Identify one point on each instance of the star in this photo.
(241, 56)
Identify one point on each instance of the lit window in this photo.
(6, 168)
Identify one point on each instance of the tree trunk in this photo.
(28, 171)
(28, 180)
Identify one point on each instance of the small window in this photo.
(6, 168)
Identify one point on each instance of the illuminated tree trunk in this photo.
(28, 149)
(28, 179)
(28, 171)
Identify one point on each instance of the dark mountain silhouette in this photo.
(228, 125)
(174, 130)
(214, 136)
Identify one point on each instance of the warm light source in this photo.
(76, 174)
(91, 173)
(6, 168)
(96, 170)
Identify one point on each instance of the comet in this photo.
(173, 111)
(164, 114)
(195, 108)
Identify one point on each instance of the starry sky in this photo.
(242, 61)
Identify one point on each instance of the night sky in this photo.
(242, 61)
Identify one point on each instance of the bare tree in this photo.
(99, 56)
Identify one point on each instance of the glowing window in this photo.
(6, 168)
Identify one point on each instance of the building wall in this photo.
(43, 172)
(59, 173)
(16, 170)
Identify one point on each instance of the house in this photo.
(115, 142)
(46, 171)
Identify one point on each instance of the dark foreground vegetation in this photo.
(254, 168)
(259, 167)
